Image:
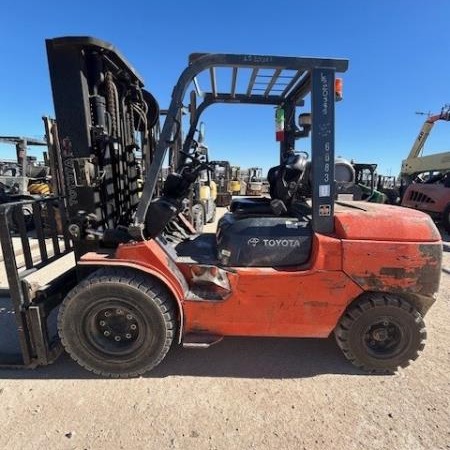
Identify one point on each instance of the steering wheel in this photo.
(195, 166)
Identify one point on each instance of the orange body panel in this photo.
(146, 256)
(394, 267)
(375, 222)
(266, 302)
(303, 301)
(295, 302)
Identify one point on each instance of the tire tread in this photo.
(154, 290)
(356, 310)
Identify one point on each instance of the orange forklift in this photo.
(297, 264)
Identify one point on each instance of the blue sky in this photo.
(398, 52)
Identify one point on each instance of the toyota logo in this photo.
(253, 241)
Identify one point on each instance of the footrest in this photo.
(197, 340)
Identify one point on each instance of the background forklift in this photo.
(200, 202)
(280, 266)
(254, 181)
(203, 194)
(221, 173)
(235, 181)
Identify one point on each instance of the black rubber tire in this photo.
(446, 219)
(213, 217)
(198, 218)
(355, 325)
(144, 301)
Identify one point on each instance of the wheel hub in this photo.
(117, 325)
(380, 334)
(383, 338)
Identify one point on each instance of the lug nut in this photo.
(133, 326)
(106, 333)
(107, 313)
(128, 336)
(117, 338)
(102, 323)
(129, 317)
(119, 311)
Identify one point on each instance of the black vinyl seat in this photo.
(251, 206)
(284, 181)
(269, 232)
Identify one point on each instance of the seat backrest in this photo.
(285, 179)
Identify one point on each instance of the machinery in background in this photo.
(366, 178)
(416, 164)
(200, 202)
(235, 180)
(425, 179)
(254, 181)
(17, 177)
(389, 185)
(357, 181)
(201, 207)
(23, 179)
(432, 195)
(221, 175)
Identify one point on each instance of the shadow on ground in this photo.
(233, 357)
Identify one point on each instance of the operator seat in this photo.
(285, 181)
(269, 232)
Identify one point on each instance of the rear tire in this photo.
(117, 323)
(381, 333)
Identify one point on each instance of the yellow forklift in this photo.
(235, 182)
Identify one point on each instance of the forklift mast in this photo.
(106, 124)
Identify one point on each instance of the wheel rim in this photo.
(114, 328)
(385, 338)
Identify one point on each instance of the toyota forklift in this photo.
(292, 265)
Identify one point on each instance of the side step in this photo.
(197, 340)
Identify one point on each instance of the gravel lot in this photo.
(239, 394)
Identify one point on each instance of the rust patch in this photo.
(429, 275)
(432, 252)
(370, 282)
(395, 272)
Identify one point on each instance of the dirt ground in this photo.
(239, 394)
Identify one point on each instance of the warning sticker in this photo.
(324, 190)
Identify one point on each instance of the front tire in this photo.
(214, 213)
(117, 323)
(381, 333)
(198, 218)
